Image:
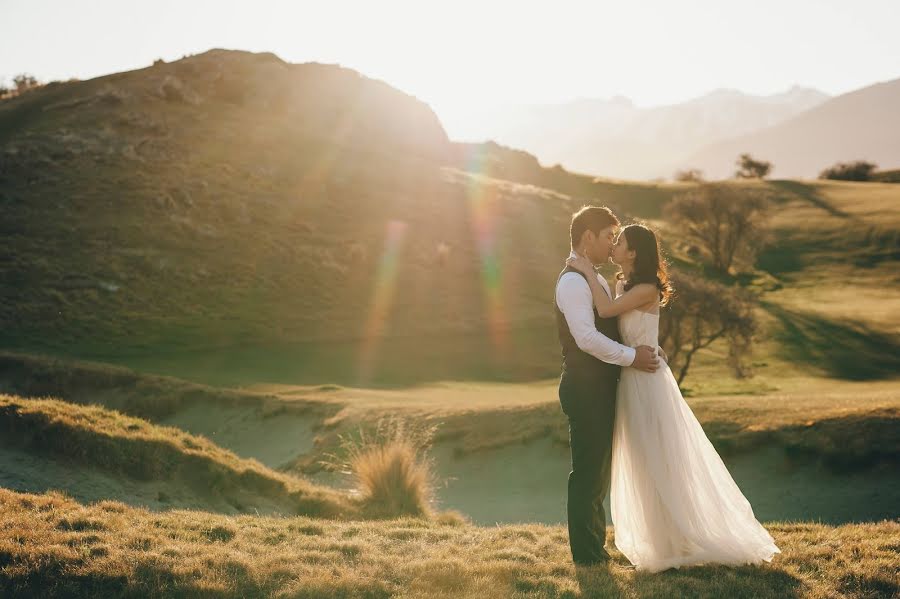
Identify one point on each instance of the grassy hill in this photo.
(159, 211)
(51, 546)
(230, 218)
(95, 446)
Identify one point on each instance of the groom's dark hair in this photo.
(590, 218)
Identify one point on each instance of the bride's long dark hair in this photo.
(649, 267)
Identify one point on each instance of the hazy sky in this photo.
(451, 53)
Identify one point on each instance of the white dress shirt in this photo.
(573, 296)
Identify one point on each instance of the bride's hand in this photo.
(581, 263)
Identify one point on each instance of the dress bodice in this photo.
(639, 328)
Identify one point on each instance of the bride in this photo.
(672, 500)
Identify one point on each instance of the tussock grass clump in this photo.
(391, 467)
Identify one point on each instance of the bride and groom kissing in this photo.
(632, 435)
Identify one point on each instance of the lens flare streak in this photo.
(484, 205)
(382, 298)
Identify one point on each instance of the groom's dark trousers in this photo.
(587, 395)
(591, 409)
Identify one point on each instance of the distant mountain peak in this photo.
(794, 93)
(799, 92)
(858, 125)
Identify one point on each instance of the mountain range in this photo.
(801, 131)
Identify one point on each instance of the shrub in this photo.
(850, 171)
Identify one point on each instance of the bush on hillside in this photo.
(859, 170)
(22, 83)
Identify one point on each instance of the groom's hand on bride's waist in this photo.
(645, 358)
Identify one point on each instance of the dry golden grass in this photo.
(51, 546)
(136, 449)
(390, 465)
(779, 405)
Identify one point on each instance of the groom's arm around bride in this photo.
(573, 296)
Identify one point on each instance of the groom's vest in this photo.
(577, 362)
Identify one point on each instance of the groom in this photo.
(592, 359)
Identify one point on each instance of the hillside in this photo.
(93, 453)
(860, 125)
(172, 209)
(213, 174)
(51, 546)
(321, 228)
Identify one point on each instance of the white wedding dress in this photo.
(672, 500)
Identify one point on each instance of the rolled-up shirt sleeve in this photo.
(573, 296)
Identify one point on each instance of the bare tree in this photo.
(701, 313)
(728, 223)
(750, 168)
(25, 82)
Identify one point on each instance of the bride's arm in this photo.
(635, 297)
(620, 289)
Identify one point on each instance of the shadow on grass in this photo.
(782, 258)
(699, 581)
(809, 194)
(718, 581)
(846, 350)
(868, 586)
(59, 577)
(852, 241)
